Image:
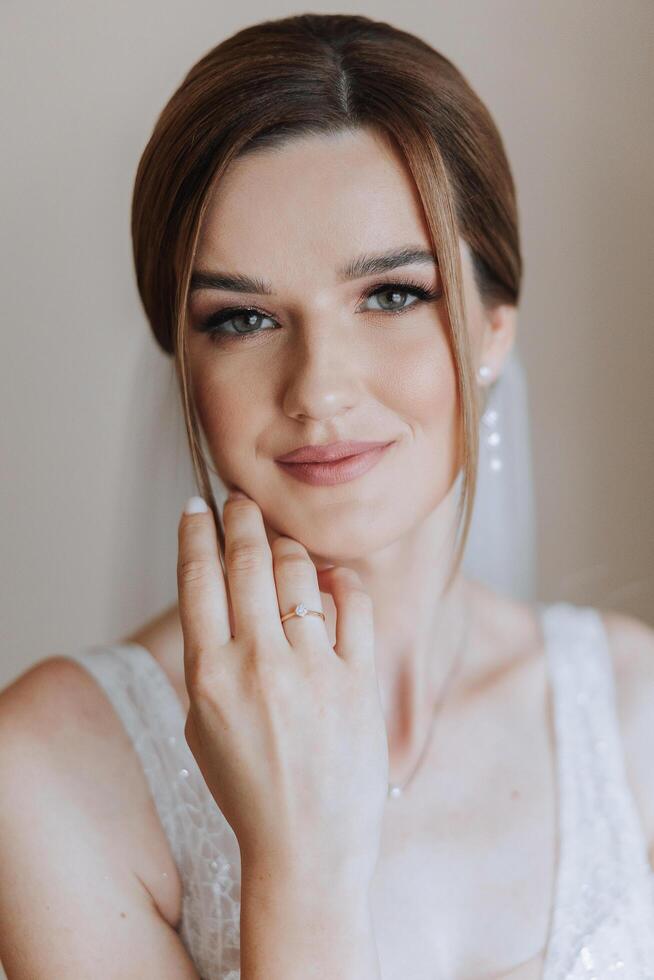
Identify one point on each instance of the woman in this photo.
(326, 241)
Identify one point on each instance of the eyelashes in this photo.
(215, 325)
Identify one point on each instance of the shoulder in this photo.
(162, 637)
(62, 742)
(631, 648)
(628, 631)
(57, 701)
(50, 702)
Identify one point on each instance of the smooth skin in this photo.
(463, 878)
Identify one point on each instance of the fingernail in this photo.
(195, 505)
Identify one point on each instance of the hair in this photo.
(322, 74)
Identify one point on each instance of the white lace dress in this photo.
(602, 924)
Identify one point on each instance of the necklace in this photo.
(397, 789)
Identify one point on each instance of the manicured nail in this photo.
(195, 505)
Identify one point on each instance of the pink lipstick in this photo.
(332, 464)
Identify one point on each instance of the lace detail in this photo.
(602, 924)
(202, 842)
(603, 917)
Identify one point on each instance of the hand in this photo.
(287, 730)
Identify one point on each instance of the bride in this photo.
(337, 755)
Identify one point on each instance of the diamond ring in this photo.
(301, 610)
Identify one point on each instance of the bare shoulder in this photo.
(162, 637)
(631, 647)
(64, 752)
(630, 637)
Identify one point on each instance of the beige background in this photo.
(93, 457)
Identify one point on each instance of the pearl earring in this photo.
(489, 421)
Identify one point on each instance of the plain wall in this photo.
(93, 454)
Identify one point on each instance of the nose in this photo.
(323, 376)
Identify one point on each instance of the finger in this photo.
(203, 608)
(250, 577)
(354, 628)
(296, 581)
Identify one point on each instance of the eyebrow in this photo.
(367, 264)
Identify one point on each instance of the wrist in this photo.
(294, 925)
(307, 881)
(301, 875)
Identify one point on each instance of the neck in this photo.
(418, 625)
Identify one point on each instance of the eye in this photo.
(395, 295)
(246, 322)
(392, 296)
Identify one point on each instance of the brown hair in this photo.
(323, 73)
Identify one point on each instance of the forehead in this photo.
(314, 199)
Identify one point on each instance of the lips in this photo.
(340, 470)
(328, 453)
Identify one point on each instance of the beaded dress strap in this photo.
(603, 917)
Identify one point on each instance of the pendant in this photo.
(394, 790)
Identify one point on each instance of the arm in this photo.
(71, 902)
(293, 928)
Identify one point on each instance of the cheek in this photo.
(424, 394)
(225, 412)
(421, 384)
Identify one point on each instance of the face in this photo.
(309, 355)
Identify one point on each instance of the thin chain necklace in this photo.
(397, 789)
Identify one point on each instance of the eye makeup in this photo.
(215, 325)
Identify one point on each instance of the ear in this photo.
(500, 325)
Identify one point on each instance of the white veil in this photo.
(501, 548)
